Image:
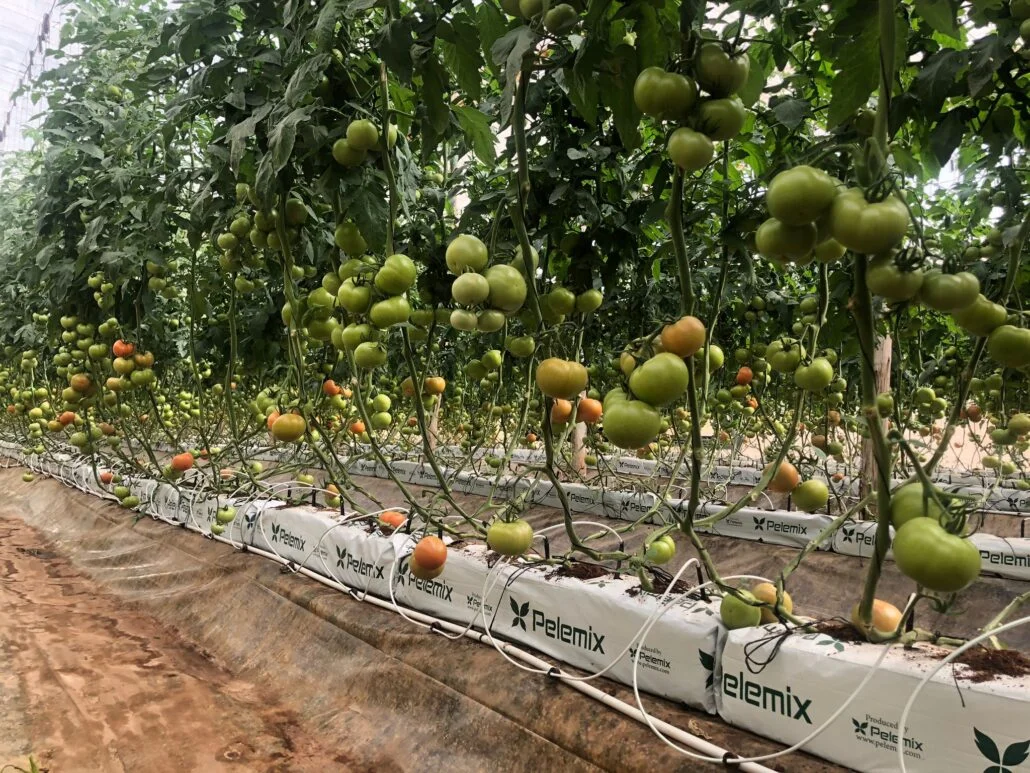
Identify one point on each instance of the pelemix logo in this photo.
(1004, 559)
(883, 734)
(763, 524)
(783, 702)
(358, 565)
(475, 603)
(634, 504)
(1015, 754)
(580, 499)
(553, 628)
(853, 535)
(283, 537)
(650, 657)
(435, 588)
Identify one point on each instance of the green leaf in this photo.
(476, 126)
(465, 61)
(434, 102)
(947, 135)
(241, 132)
(305, 78)
(618, 95)
(325, 25)
(937, 78)
(858, 62)
(394, 47)
(91, 150)
(940, 14)
(512, 49)
(491, 26)
(792, 112)
(761, 66)
(283, 135)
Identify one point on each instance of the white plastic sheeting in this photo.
(27, 29)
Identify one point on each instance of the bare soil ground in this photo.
(87, 684)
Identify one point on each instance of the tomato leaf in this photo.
(936, 81)
(792, 112)
(940, 14)
(987, 746)
(988, 54)
(305, 78)
(947, 135)
(476, 126)
(761, 66)
(511, 49)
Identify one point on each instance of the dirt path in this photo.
(88, 685)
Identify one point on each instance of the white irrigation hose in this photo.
(931, 674)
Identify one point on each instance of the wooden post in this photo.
(882, 371)
(434, 421)
(579, 451)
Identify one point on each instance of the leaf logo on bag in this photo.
(1015, 754)
(520, 613)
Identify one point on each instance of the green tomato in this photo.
(981, 317)
(869, 228)
(661, 550)
(829, 251)
(296, 212)
(800, 195)
(888, 281)
(629, 424)
(347, 155)
(489, 321)
(397, 275)
(927, 554)
(470, 289)
(1009, 346)
(521, 347)
(718, 73)
(949, 292)
(354, 298)
(735, 613)
(561, 301)
(907, 503)
(507, 287)
(660, 380)
(785, 354)
(362, 135)
(464, 320)
(664, 95)
(781, 242)
(811, 496)
(381, 420)
(589, 301)
(369, 355)
(721, 119)
(466, 253)
(392, 311)
(690, 150)
(560, 19)
(816, 376)
(349, 239)
(509, 538)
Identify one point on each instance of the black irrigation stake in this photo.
(547, 547)
(701, 584)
